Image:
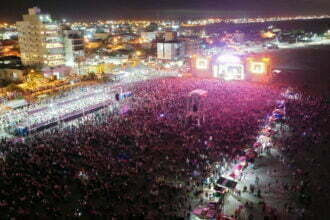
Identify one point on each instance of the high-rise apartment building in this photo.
(40, 40)
(74, 47)
(170, 50)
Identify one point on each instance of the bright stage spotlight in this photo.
(202, 63)
(258, 67)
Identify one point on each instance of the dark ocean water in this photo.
(318, 26)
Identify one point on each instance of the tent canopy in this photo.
(227, 183)
(16, 103)
(220, 189)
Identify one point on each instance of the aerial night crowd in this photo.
(307, 150)
(147, 159)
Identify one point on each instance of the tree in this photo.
(91, 76)
(4, 82)
(14, 88)
(32, 85)
(152, 27)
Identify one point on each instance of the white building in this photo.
(73, 48)
(60, 72)
(40, 39)
(170, 35)
(148, 36)
(171, 50)
(8, 34)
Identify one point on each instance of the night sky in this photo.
(11, 10)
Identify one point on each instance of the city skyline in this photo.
(101, 9)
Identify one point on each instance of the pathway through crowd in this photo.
(263, 187)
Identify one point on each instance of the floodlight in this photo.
(201, 63)
(258, 67)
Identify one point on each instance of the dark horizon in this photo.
(84, 10)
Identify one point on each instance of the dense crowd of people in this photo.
(143, 73)
(74, 101)
(32, 115)
(307, 151)
(145, 161)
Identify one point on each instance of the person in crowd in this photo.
(131, 164)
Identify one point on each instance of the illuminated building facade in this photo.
(74, 47)
(40, 40)
(171, 50)
(11, 68)
(148, 36)
(8, 34)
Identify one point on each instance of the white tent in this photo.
(16, 103)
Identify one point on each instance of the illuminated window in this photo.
(53, 45)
